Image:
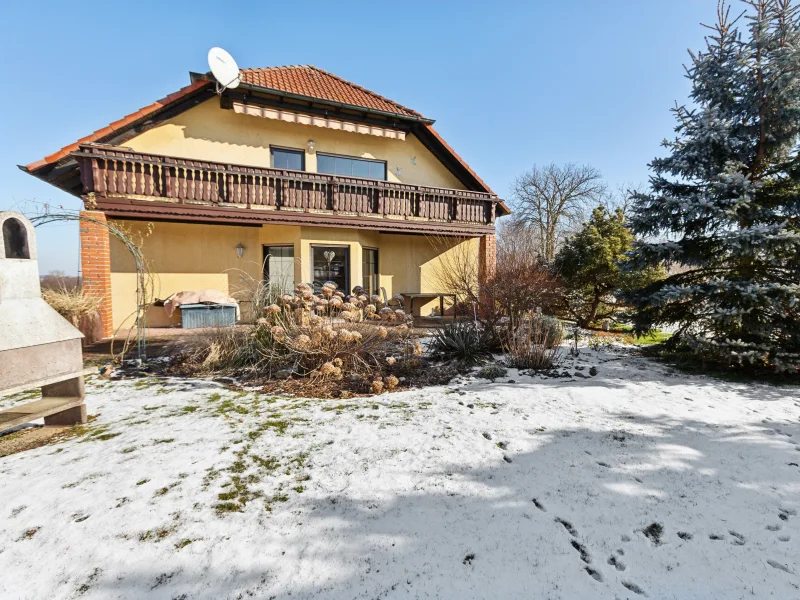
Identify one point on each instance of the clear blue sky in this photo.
(509, 85)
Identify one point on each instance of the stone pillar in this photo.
(487, 256)
(96, 268)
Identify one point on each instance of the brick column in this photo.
(96, 268)
(487, 256)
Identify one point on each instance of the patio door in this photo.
(331, 263)
(279, 268)
(369, 270)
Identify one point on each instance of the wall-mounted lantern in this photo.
(311, 145)
(239, 249)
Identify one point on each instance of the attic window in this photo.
(15, 239)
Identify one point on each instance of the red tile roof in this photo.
(313, 82)
(117, 125)
(303, 80)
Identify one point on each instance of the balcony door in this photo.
(331, 263)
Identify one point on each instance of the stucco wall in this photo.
(207, 132)
(190, 256)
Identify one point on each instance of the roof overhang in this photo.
(61, 170)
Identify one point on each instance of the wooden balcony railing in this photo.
(118, 172)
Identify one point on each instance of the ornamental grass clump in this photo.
(73, 304)
(463, 341)
(533, 343)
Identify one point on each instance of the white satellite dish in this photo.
(224, 68)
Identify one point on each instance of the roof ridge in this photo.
(363, 89)
(399, 107)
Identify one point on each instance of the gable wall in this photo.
(208, 132)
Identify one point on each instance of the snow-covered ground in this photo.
(522, 488)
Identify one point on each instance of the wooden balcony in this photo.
(135, 185)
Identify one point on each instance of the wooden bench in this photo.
(62, 402)
(409, 301)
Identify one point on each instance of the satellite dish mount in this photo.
(224, 69)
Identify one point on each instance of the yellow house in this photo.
(296, 175)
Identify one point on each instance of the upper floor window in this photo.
(352, 167)
(283, 158)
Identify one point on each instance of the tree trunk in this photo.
(592, 311)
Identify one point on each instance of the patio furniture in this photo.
(427, 297)
(197, 316)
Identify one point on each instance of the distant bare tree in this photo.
(553, 199)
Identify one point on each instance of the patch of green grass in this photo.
(299, 489)
(13, 436)
(270, 463)
(163, 441)
(155, 535)
(209, 477)
(144, 383)
(127, 450)
(162, 491)
(183, 543)
(214, 397)
(228, 495)
(657, 337)
(279, 425)
(300, 460)
(238, 467)
(189, 409)
(142, 482)
(106, 436)
(340, 407)
(227, 507)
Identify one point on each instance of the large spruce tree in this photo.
(724, 209)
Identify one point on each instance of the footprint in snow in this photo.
(539, 505)
(738, 538)
(616, 563)
(634, 588)
(775, 527)
(781, 567)
(604, 464)
(581, 550)
(684, 535)
(568, 526)
(595, 574)
(784, 538)
(785, 513)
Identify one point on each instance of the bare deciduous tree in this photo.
(551, 200)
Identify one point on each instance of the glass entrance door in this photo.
(279, 268)
(331, 263)
(369, 270)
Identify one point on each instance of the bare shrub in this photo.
(533, 344)
(73, 304)
(520, 282)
